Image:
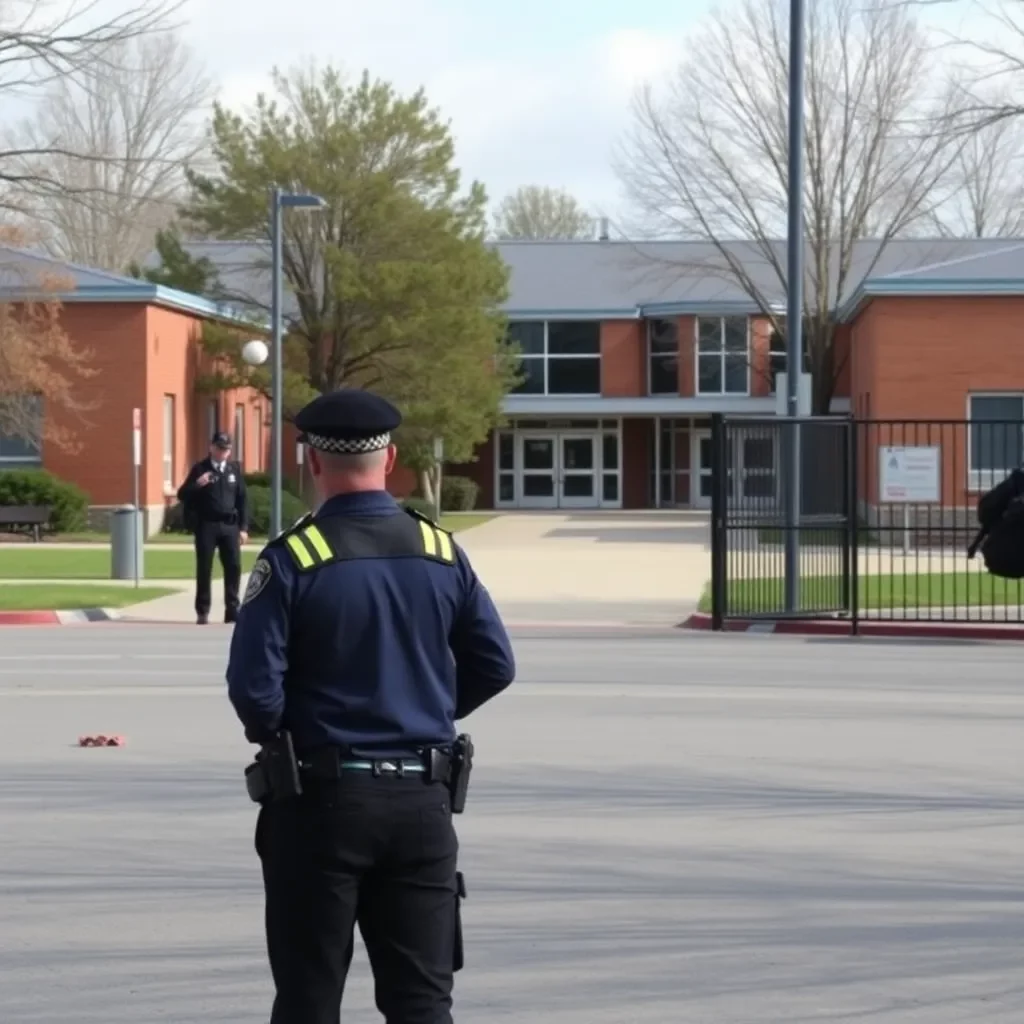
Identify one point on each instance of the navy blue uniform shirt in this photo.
(378, 655)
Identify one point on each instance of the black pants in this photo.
(377, 852)
(223, 539)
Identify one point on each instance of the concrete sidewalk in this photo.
(545, 568)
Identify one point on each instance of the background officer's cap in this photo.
(221, 440)
(348, 422)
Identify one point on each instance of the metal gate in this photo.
(752, 517)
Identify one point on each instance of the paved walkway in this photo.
(544, 568)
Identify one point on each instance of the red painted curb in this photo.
(840, 627)
(29, 619)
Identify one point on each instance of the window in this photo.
(240, 434)
(22, 446)
(168, 443)
(663, 357)
(996, 437)
(723, 366)
(559, 357)
(259, 438)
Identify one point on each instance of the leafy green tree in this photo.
(177, 268)
(392, 285)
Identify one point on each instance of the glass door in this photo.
(702, 461)
(578, 471)
(537, 471)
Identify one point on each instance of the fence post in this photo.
(852, 524)
(719, 485)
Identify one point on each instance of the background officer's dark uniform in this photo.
(366, 634)
(219, 512)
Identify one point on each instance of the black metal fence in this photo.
(886, 513)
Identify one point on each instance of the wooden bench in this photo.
(25, 517)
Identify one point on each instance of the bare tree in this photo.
(129, 126)
(988, 175)
(708, 159)
(43, 42)
(537, 212)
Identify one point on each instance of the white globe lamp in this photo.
(255, 352)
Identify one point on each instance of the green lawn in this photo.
(927, 590)
(40, 562)
(43, 562)
(42, 597)
(455, 523)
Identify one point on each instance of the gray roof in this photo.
(623, 278)
(26, 273)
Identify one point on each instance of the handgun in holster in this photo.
(274, 775)
(462, 766)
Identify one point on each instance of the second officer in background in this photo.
(216, 507)
(363, 637)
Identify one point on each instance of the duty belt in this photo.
(330, 764)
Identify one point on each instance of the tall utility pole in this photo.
(794, 302)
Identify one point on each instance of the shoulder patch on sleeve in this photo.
(258, 579)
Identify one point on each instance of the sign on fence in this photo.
(910, 475)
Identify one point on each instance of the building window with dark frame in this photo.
(662, 357)
(21, 443)
(558, 357)
(723, 355)
(996, 442)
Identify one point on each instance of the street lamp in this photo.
(794, 303)
(279, 201)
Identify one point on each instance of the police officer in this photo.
(364, 635)
(217, 510)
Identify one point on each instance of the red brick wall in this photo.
(919, 358)
(687, 356)
(637, 439)
(102, 463)
(623, 358)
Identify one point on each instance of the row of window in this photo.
(563, 357)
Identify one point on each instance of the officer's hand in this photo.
(205, 479)
(243, 537)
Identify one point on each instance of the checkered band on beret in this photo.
(348, 445)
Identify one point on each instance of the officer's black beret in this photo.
(349, 422)
(221, 440)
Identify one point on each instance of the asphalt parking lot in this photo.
(663, 829)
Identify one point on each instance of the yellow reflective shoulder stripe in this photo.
(436, 542)
(429, 538)
(309, 546)
(316, 539)
(300, 551)
(446, 546)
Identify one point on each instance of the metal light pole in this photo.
(794, 301)
(278, 201)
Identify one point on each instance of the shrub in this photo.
(70, 504)
(263, 480)
(458, 494)
(292, 509)
(421, 505)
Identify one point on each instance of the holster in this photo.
(460, 894)
(274, 775)
(462, 767)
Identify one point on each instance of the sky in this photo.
(537, 91)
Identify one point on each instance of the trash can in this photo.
(126, 543)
